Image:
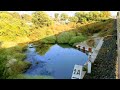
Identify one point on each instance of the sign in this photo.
(77, 72)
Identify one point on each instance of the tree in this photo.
(26, 17)
(56, 15)
(94, 15)
(16, 15)
(12, 27)
(81, 16)
(64, 16)
(105, 14)
(5, 15)
(73, 19)
(41, 19)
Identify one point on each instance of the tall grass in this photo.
(12, 61)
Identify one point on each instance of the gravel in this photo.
(104, 66)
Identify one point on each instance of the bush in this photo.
(9, 55)
(77, 39)
(65, 37)
(41, 19)
(3, 59)
(50, 39)
(17, 68)
(96, 27)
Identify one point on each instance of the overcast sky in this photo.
(51, 13)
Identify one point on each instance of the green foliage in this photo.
(81, 16)
(26, 17)
(95, 27)
(43, 48)
(105, 64)
(41, 19)
(3, 59)
(22, 76)
(73, 19)
(16, 15)
(14, 30)
(10, 55)
(63, 16)
(6, 16)
(50, 39)
(17, 68)
(77, 39)
(11, 27)
(56, 15)
(92, 16)
(65, 37)
(105, 14)
(108, 28)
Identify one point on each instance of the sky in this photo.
(51, 13)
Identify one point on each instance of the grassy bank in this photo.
(12, 61)
(21, 76)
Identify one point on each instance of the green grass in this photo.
(3, 59)
(22, 76)
(7, 55)
(17, 68)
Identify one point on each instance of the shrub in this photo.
(50, 39)
(65, 37)
(41, 19)
(77, 39)
(7, 56)
(17, 68)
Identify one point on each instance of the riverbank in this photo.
(104, 66)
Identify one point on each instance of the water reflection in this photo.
(57, 61)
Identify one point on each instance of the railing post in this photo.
(89, 63)
(84, 49)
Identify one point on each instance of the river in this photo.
(58, 61)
